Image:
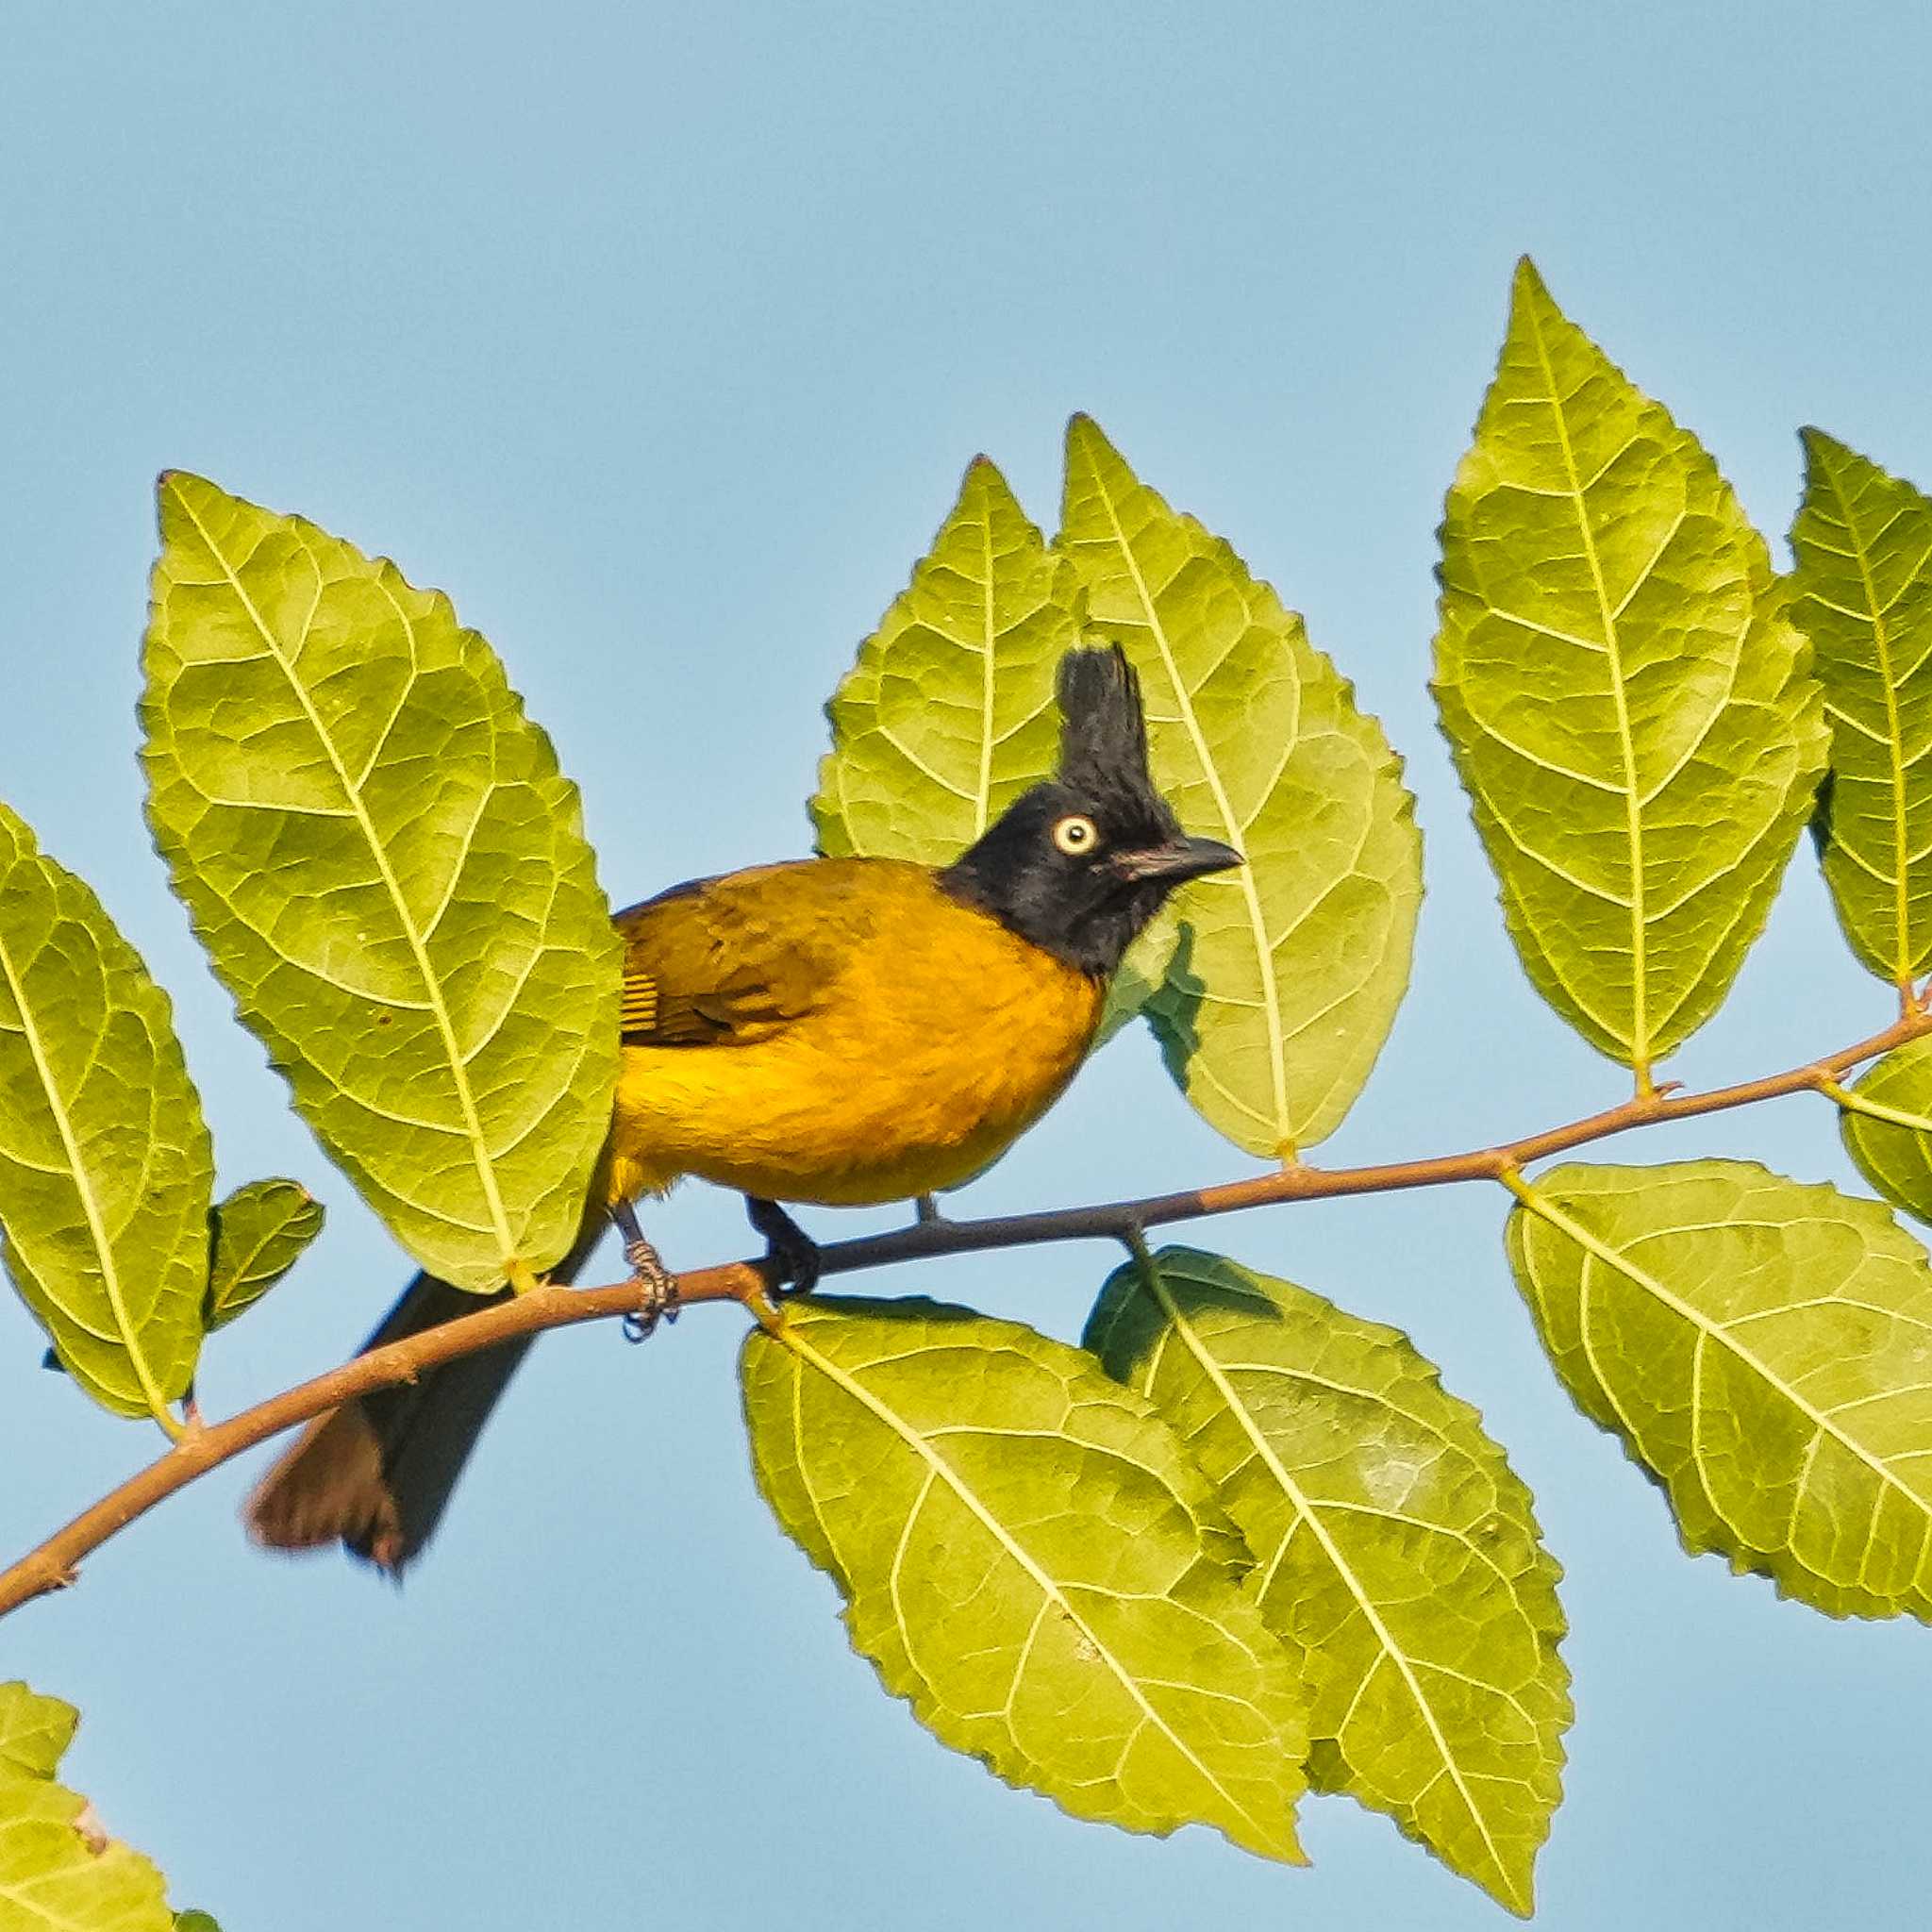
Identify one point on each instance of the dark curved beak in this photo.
(1177, 859)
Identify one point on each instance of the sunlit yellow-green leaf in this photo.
(1401, 1562)
(1030, 1557)
(1625, 692)
(105, 1163)
(1140, 975)
(390, 875)
(58, 1872)
(948, 714)
(52, 1879)
(1893, 1154)
(35, 1731)
(1764, 1350)
(1863, 543)
(1289, 970)
(259, 1232)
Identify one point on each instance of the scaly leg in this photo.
(658, 1287)
(791, 1251)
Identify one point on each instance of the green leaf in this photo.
(53, 1880)
(1289, 971)
(1400, 1558)
(58, 1872)
(259, 1233)
(390, 876)
(1863, 585)
(1895, 1157)
(1031, 1559)
(105, 1163)
(948, 714)
(1624, 693)
(194, 1921)
(1140, 975)
(35, 1731)
(1761, 1348)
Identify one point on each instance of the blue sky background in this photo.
(659, 338)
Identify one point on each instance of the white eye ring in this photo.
(1076, 833)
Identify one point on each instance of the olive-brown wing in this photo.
(727, 961)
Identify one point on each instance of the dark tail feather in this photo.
(376, 1473)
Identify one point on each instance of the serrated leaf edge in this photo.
(352, 791)
(1180, 1324)
(1824, 452)
(787, 1335)
(239, 1273)
(1546, 1209)
(1640, 1035)
(984, 493)
(77, 1166)
(1084, 430)
(988, 484)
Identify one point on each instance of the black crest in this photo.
(1103, 733)
(1080, 862)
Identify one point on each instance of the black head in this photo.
(1080, 864)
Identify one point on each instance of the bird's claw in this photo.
(792, 1254)
(656, 1284)
(657, 1292)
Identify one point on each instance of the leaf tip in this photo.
(1821, 448)
(180, 483)
(1085, 435)
(179, 497)
(985, 487)
(1529, 295)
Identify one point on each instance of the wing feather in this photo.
(726, 962)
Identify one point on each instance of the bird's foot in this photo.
(793, 1253)
(925, 1208)
(655, 1284)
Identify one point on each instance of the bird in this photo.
(827, 1031)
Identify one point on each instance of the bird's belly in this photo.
(846, 1118)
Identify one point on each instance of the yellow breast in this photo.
(942, 1037)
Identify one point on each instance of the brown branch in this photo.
(206, 1445)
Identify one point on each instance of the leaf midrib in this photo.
(1614, 1259)
(437, 1007)
(939, 1467)
(989, 641)
(1298, 1500)
(1283, 1123)
(90, 1206)
(1902, 963)
(1640, 1025)
(239, 1276)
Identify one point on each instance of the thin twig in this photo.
(206, 1445)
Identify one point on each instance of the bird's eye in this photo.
(1076, 833)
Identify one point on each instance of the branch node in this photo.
(1511, 1178)
(766, 1309)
